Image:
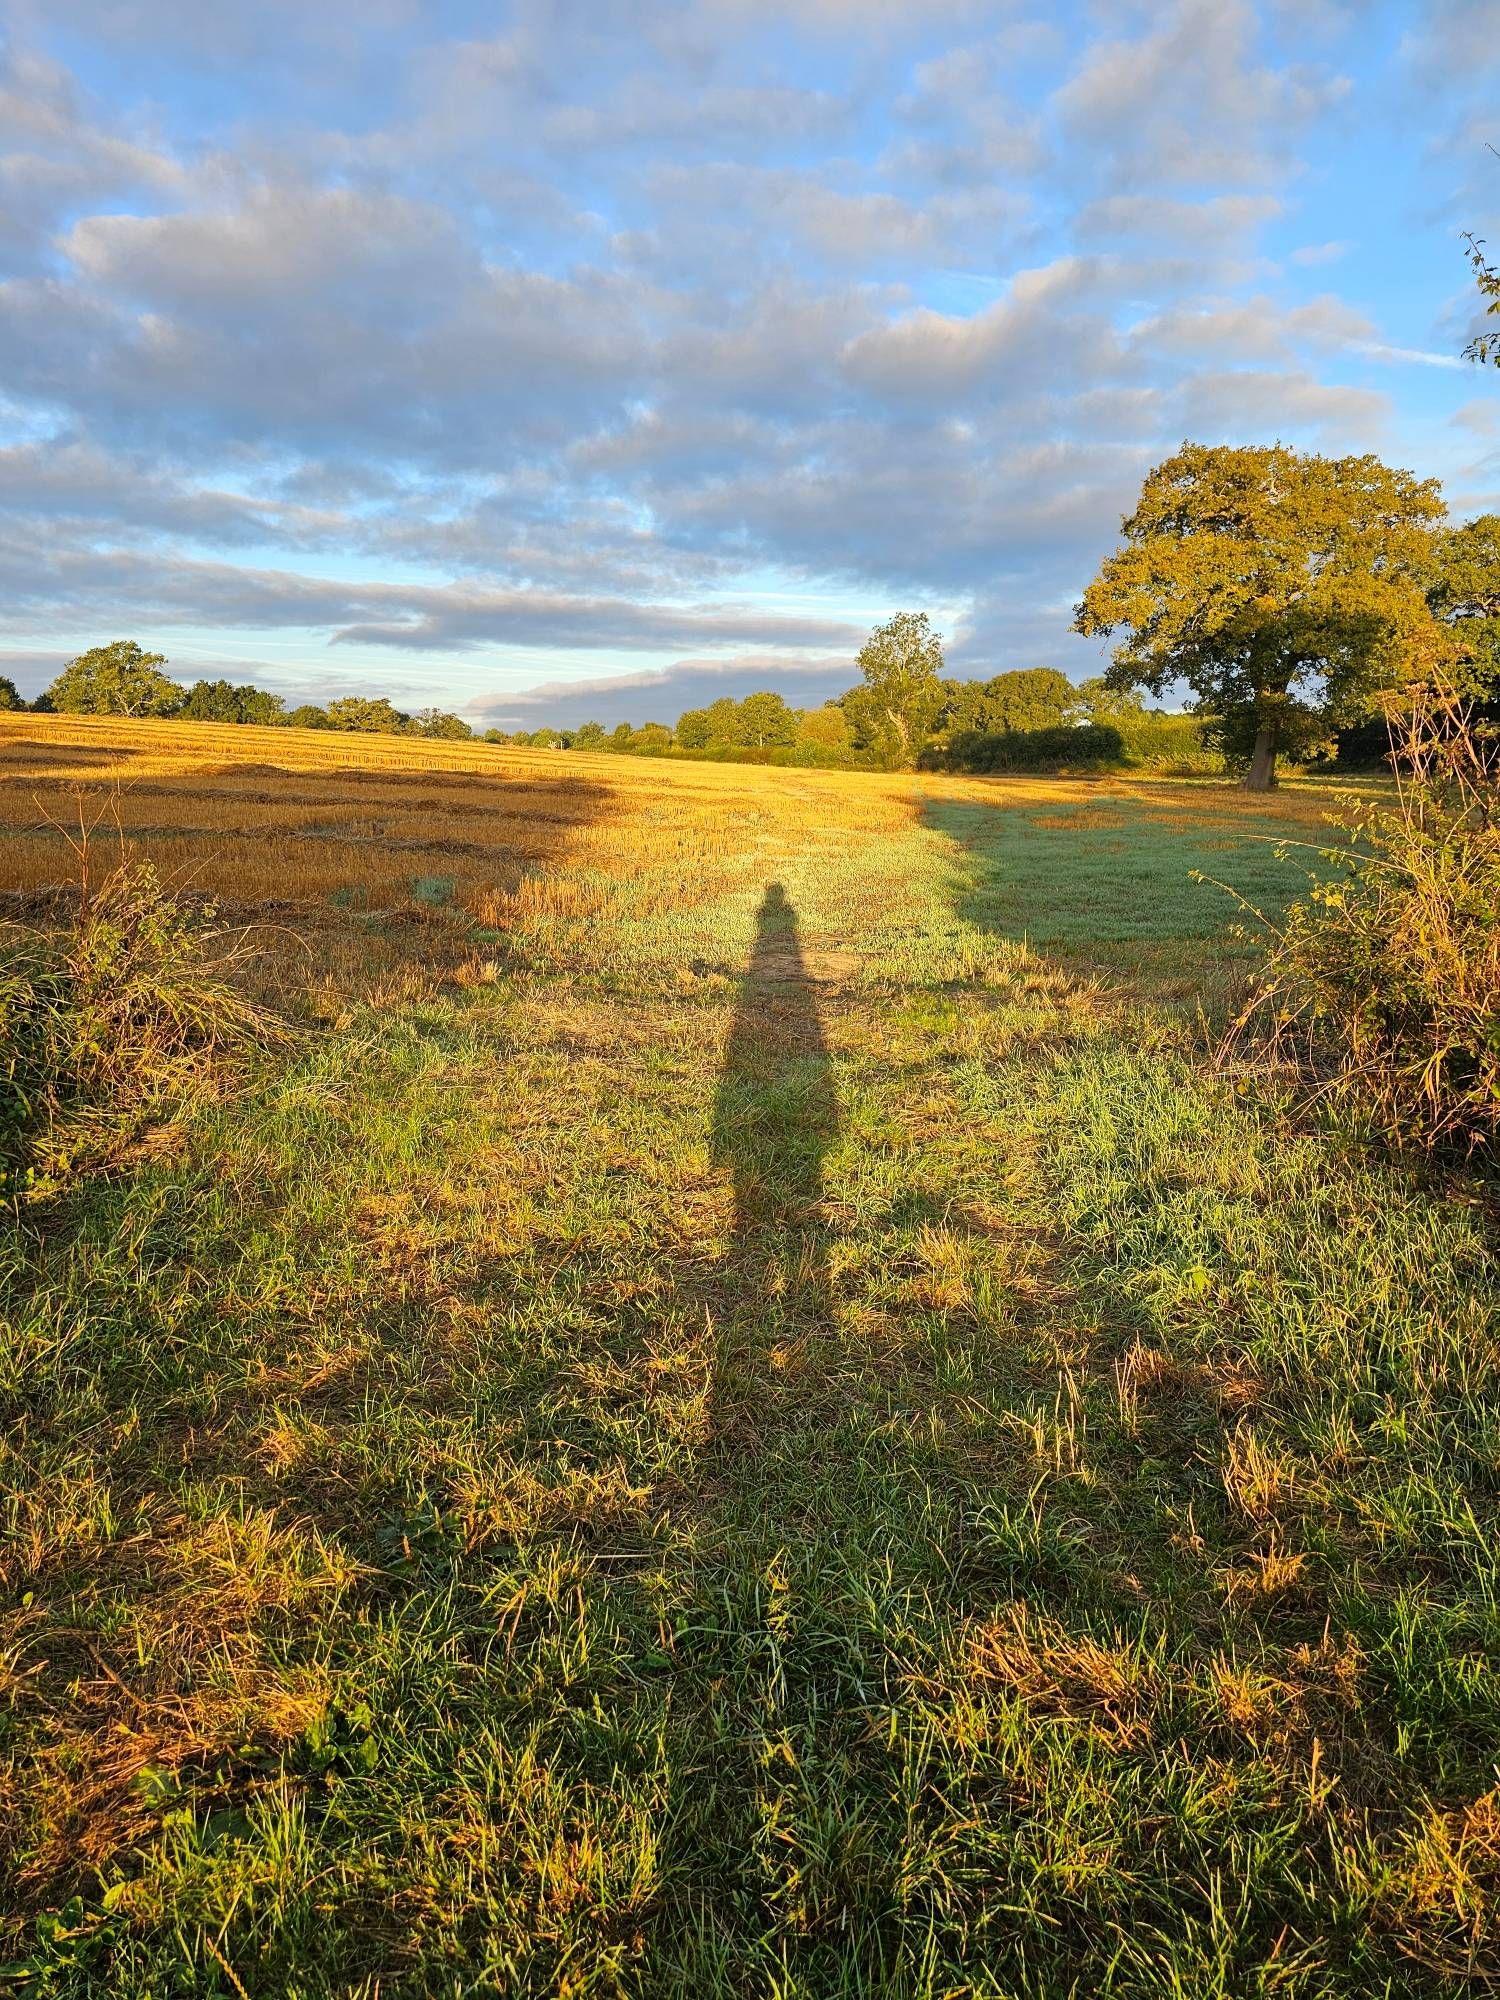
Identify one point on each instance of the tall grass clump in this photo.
(1382, 989)
(112, 1015)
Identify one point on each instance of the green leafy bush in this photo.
(110, 1019)
(1172, 745)
(1064, 745)
(1383, 988)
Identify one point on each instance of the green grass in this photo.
(1108, 883)
(661, 1475)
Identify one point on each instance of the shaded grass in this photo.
(1105, 882)
(671, 1470)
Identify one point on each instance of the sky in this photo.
(570, 359)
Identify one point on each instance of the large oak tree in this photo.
(1284, 589)
(117, 679)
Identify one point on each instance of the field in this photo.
(740, 1412)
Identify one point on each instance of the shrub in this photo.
(1173, 745)
(1383, 988)
(1070, 744)
(110, 1019)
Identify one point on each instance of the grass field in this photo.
(740, 1413)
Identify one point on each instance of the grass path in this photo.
(789, 1442)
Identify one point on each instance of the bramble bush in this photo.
(1382, 989)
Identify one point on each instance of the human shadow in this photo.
(775, 1116)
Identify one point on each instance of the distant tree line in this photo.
(906, 709)
(1289, 594)
(906, 712)
(122, 679)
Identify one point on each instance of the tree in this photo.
(622, 737)
(217, 701)
(589, 736)
(824, 731)
(209, 701)
(308, 716)
(258, 708)
(726, 728)
(367, 715)
(894, 712)
(652, 739)
(117, 679)
(1026, 698)
(1285, 589)
(765, 720)
(693, 729)
(1485, 346)
(545, 739)
(1465, 595)
(10, 696)
(439, 723)
(1111, 707)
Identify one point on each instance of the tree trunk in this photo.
(1261, 775)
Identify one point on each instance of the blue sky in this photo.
(592, 359)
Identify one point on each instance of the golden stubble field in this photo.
(373, 851)
(274, 818)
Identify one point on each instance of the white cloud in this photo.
(1042, 329)
(1188, 102)
(1257, 405)
(1319, 253)
(1210, 224)
(1255, 329)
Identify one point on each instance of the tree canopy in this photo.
(366, 714)
(896, 709)
(767, 721)
(219, 701)
(824, 730)
(117, 679)
(1283, 588)
(1110, 707)
(440, 723)
(1465, 595)
(761, 721)
(1026, 698)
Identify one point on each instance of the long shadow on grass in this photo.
(775, 1116)
(1103, 886)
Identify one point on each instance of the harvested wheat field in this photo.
(731, 1405)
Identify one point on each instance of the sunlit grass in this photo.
(745, 1418)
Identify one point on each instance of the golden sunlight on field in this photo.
(278, 816)
(367, 857)
(291, 815)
